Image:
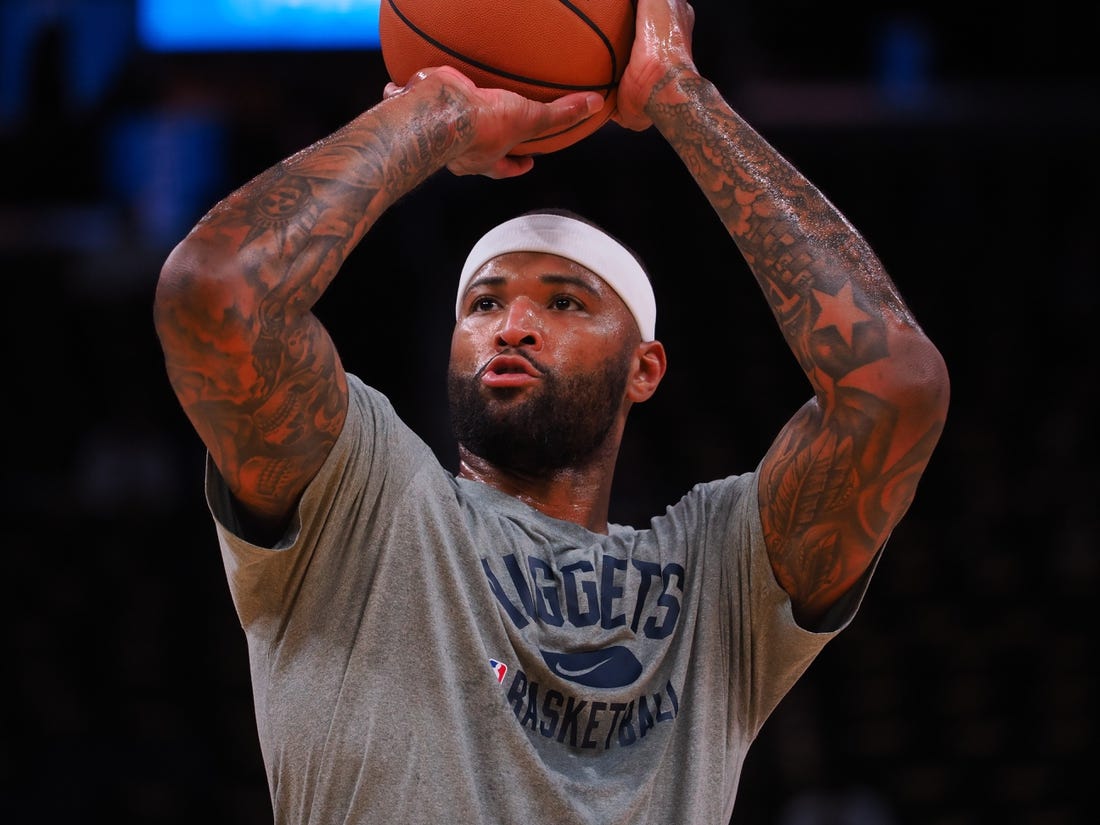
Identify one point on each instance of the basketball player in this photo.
(488, 648)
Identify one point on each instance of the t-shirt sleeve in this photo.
(373, 457)
(769, 650)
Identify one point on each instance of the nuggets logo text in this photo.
(641, 596)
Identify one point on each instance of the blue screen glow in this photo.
(241, 25)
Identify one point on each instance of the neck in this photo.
(578, 494)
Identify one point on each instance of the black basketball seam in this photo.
(600, 34)
(611, 52)
(565, 87)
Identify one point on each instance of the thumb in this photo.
(573, 108)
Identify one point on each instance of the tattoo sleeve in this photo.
(254, 369)
(843, 471)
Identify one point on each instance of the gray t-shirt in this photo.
(426, 649)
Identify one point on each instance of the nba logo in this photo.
(499, 668)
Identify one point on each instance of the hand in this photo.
(498, 120)
(662, 45)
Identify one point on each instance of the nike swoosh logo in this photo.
(609, 667)
(566, 672)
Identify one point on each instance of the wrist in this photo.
(681, 83)
(421, 127)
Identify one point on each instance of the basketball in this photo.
(541, 49)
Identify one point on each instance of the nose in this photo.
(521, 325)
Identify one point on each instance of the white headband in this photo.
(578, 241)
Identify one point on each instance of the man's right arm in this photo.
(255, 371)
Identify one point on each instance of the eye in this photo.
(565, 302)
(484, 303)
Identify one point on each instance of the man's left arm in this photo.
(843, 471)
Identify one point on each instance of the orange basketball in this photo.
(541, 49)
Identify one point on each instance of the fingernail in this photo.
(595, 102)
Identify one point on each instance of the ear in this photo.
(649, 369)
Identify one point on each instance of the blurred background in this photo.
(960, 139)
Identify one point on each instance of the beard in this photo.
(561, 423)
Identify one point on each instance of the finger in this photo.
(572, 108)
(511, 166)
(634, 123)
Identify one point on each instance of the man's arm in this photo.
(843, 471)
(254, 369)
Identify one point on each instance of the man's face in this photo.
(540, 359)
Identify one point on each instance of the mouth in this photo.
(509, 371)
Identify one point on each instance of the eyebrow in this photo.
(550, 278)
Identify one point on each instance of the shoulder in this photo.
(722, 503)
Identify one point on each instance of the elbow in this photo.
(932, 378)
(921, 384)
(192, 291)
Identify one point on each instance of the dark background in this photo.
(960, 140)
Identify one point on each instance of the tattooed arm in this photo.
(843, 471)
(255, 371)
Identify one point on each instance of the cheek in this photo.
(592, 344)
(463, 349)
(457, 347)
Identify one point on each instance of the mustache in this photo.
(512, 353)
